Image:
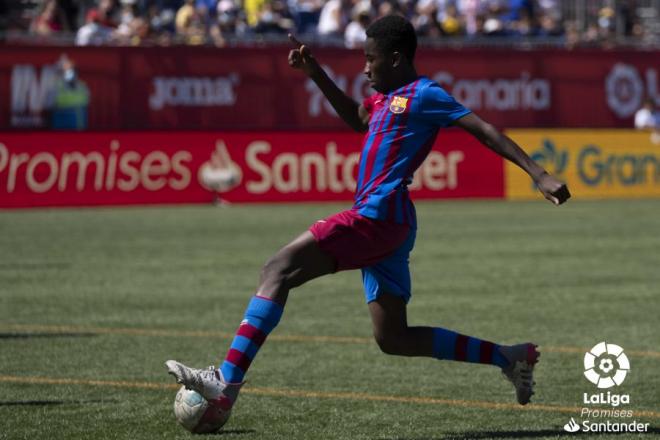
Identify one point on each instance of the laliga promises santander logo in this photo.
(606, 365)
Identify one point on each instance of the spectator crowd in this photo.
(222, 22)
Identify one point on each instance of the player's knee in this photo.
(275, 270)
(388, 342)
(271, 270)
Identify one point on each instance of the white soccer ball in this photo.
(195, 413)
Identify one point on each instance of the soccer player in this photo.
(376, 235)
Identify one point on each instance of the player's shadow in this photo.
(30, 335)
(53, 402)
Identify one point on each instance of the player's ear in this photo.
(396, 59)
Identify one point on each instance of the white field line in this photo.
(278, 392)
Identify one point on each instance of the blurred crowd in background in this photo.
(574, 23)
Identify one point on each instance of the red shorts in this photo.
(356, 241)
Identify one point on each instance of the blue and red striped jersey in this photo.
(403, 126)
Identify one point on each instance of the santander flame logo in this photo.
(220, 174)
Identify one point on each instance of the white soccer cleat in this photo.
(209, 383)
(520, 372)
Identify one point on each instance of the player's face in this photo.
(378, 67)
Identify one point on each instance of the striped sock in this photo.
(454, 346)
(261, 317)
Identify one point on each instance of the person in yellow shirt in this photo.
(70, 99)
(252, 9)
(184, 17)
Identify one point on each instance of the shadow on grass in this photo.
(28, 335)
(556, 433)
(52, 402)
(228, 432)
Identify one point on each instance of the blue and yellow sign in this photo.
(594, 163)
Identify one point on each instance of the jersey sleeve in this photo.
(370, 101)
(440, 108)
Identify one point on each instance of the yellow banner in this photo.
(594, 163)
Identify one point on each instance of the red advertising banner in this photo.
(29, 77)
(196, 88)
(85, 169)
(202, 88)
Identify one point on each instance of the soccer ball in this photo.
(196, 414)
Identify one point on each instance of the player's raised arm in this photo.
(552, 188)
(350, 111)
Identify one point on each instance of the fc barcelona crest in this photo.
(398, 104)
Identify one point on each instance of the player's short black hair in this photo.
(394, 33)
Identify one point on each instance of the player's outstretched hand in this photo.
(301, 57)
(553, 189)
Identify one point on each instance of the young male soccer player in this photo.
(402, 121)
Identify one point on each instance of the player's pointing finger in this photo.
(294, 40)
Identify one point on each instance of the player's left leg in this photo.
(391, 330)
(394, 336)
(387, 290)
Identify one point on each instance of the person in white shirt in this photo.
(93, 33)
(356, 32)
(647, 117)
(335, 15)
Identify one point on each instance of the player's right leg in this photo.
(294, 264)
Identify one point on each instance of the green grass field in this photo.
(93, 301)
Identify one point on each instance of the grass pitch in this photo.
(93, 301)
